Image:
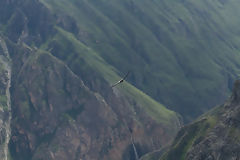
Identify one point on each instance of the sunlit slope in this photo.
(182, 53)
(84, 62)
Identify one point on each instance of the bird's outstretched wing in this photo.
(121, 80)
(126, 75)
(116, 84)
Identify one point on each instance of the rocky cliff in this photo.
(5, 99)
(214, 136)
(62, 106)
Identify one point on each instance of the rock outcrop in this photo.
(5, 99)
(222, 142)
(56, 116)
(214, 136)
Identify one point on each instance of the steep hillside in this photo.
(214, 135)
(63, 55)
(5, 100)
(54, 110)
(185, 54)
(62, 106)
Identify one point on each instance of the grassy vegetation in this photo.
(234, 133)
(3, 102)
(152, 155)
(183, 54)
(77, 53)
(189, 136)
(154, 109)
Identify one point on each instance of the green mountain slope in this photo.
(62, 105)
(54, 109)
(66, 54)
(214, 135)
(182, 53)
(81, 53)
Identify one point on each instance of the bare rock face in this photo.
(55, 116)
(5, 99)
(222, 142)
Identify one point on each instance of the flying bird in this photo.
(121, 80)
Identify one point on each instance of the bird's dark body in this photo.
(120, 81)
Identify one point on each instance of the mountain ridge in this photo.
(214, 135)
